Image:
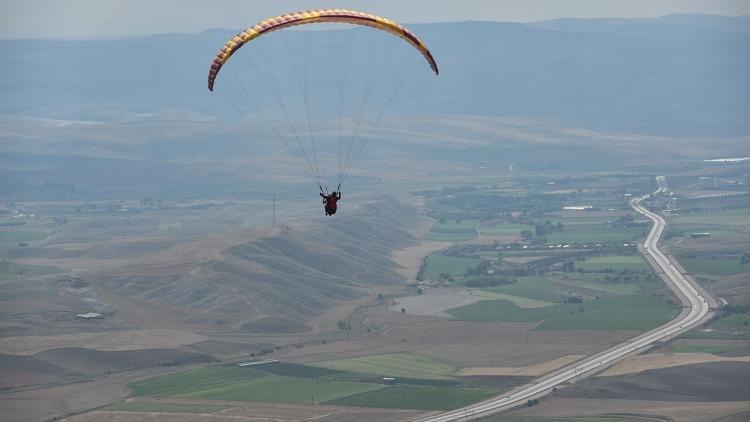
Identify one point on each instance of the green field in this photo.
(394, 364)
(452, 231)
(141, 406)
(244, 384)
(292, 383)
(534, 287)
(588, 282)
(492, 310)
(614, 263)
(412, 397)
(503, 229)
(730, 327)
(627, 312)
(595, 233)
(14, 236)
(734, 322)
(722, 224)
(450, 237)
(438, 263)
(714, 266)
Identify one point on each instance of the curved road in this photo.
(696, 308)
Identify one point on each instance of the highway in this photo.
(696, 309)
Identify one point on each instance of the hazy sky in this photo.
(107, 18)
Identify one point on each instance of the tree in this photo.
(568, 266)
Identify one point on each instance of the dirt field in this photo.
(254, 412)
(434, 302)
(206, 249)
(106, 341)
(45, 403)
(409, 259)
(458, 343)
(527, 371)
(650, 361)
(678, 411)
(717, 381)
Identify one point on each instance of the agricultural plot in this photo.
(714, 265)
(594, 283)
(16, 236)
(503, 229)
(413, 397)
(595, 232)
(55, 209)
(722, 224)
(150, 407)
(438, 263)
(729, 327)
(614, 418)
(244, 384)
(292, 383)
(534, 287)
(394, 364)
(520, 301)
(307, 371)
(614, 263)
(733, 347)
(492, 310)
(453, 231)
(628, 312)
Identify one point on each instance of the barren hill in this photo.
(283, 279)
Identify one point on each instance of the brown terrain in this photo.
(209, 294)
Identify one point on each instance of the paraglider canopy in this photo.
(341, 82)
(315, 16)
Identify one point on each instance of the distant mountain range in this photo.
(133, 118)
(676, 75)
